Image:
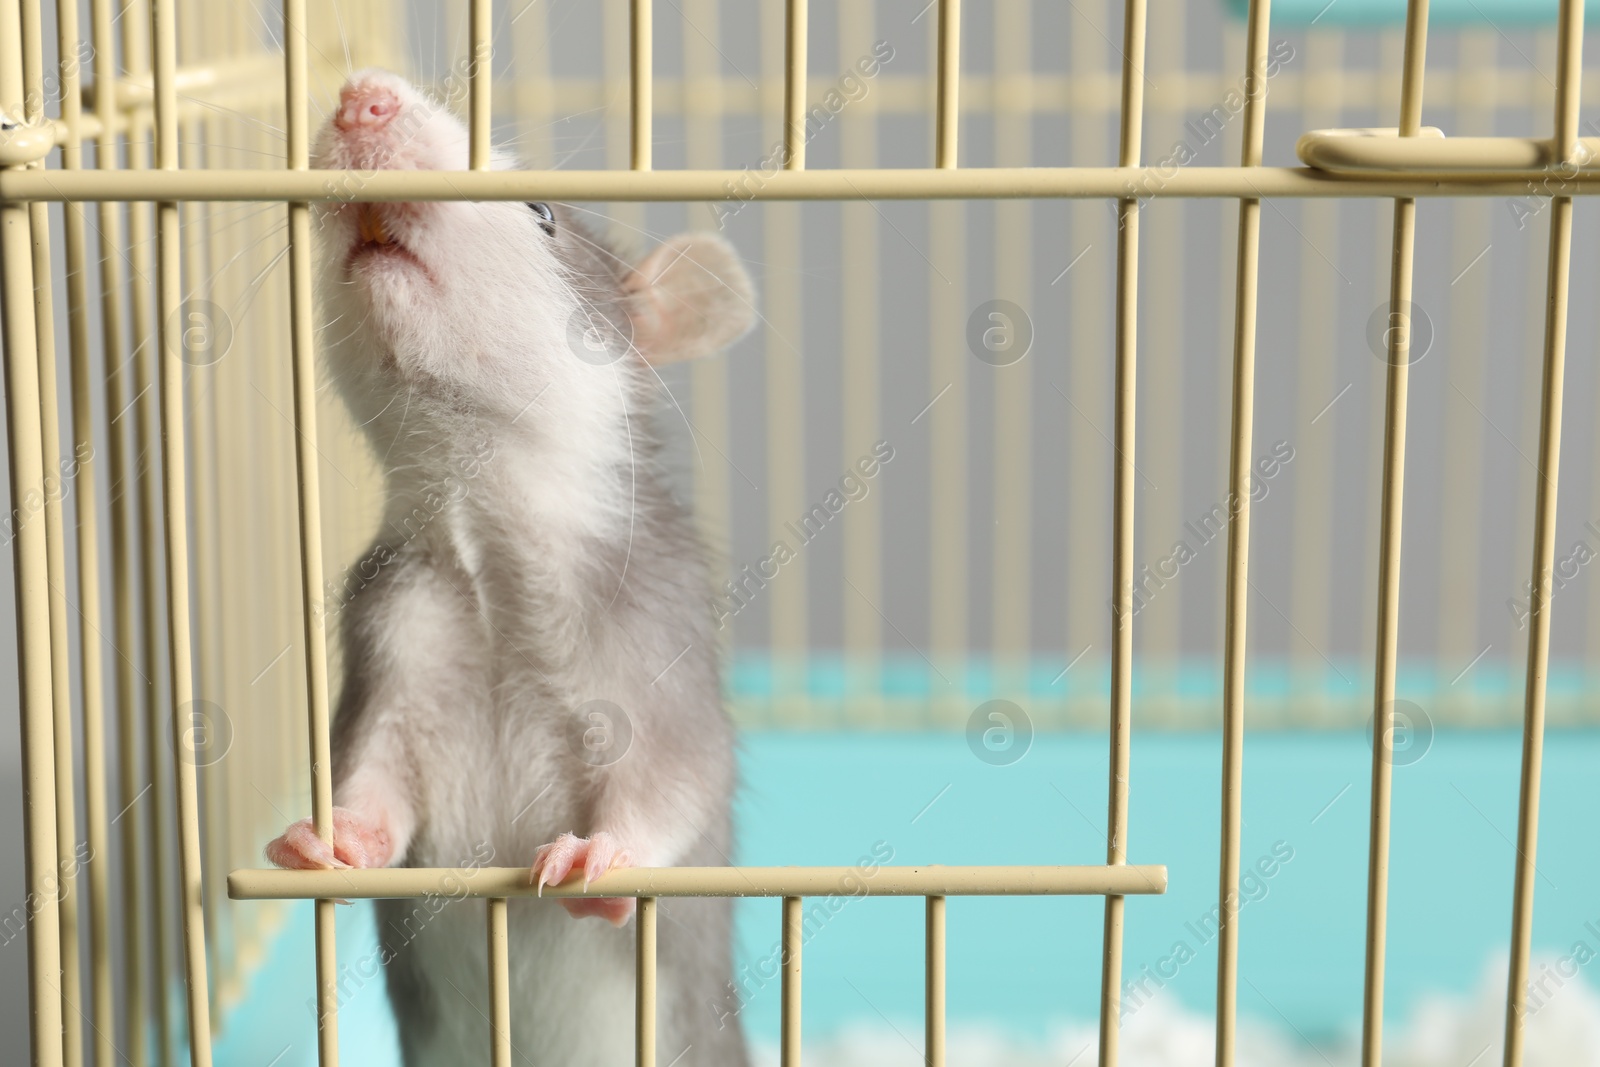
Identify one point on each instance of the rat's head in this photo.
(493, 305)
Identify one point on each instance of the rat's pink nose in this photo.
(366, 105)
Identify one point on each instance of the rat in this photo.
(530, 668)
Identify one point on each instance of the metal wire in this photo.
(642, 40)
(964, 183)
(1394, 468)
(644, 1037)
(499, 984)
(793, 938)
(933, 1012)
(794, 85)
(174, 479)
(30, 559)
(1125, 394)
(1238, 574)
(303, 351)
(100, 1015)
(1121, 879)
(1565, 141)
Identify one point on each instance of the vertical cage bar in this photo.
(24, 453)
(1318, 383)
(1471, 308)
(253, 598)
(191, 900)
(788, 604)
(1544, 54)
(101, 1015)
(1011, 553)
(644, 1017)
(617, 67)
(1391, 56)
(480, 81)
(1233, 58)
(1086, 477)
(784, 248)
(1238, 580)
(196, 220)
(499, 986)
(933, 1011)
(29, 560)
(1166, 373)
(147, 445)
(641, 41)
(949, 578)
(947, 115)
(789, 1040)
(1569, 72)
(67, 896)
(1394, 465)
(708, 378)
(1124, 394)
(861, 388)
(533, 92)
(274, 525)
(269, 511)
(218, 413)
(70, 979)
(210, 623)
(237, 670)
(795, 51)
(133, 941)
(239, 602)
(303, 357)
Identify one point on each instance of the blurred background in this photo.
(973, 566)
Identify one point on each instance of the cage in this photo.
(1093, 516)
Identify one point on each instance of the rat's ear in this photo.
(690, 297)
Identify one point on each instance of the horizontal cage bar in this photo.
(491, 882)
(965, 183)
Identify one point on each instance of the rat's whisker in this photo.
(250, 120)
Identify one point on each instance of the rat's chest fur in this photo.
(530, 583)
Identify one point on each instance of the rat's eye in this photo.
(547, 218)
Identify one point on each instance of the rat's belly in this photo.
(572, 984)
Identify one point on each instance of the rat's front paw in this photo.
(593, 856)
(357, 842)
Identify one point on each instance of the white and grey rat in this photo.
(531, 675)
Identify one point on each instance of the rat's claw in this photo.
(604, 854)
(593, 856)
(553, 862)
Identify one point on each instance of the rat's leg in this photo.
(400, 659)
(659, 798)
(373, 818)
(357, 842)
(372, 825)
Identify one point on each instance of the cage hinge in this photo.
(24, 143)
(1384, 153)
